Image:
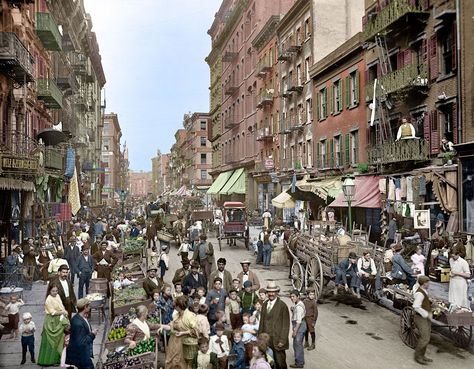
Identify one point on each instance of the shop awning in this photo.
(367, 194)
(235, 184)
(182, 191)
(16, 184)
(220, 182)
(331, 187)
(283, 201)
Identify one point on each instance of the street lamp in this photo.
(349, 189)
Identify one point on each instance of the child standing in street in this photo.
(27, 332)
(311, 317)
(163, 263)
(232, 310)
(13, 310)
(184, 249)
(238, 350)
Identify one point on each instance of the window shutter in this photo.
(348, 91)
(331, 100)
(424, 51)
(434, 132)
(326, 151)
(407, 57)
(348, 149)
(427, 127)
(339, 92)
(341, 151)
(454, 46)
(400, 60)
(331, 153)
(318, 155)
(433, 57)
(318, 99)
(356, 148)
(455, 123)
(310, 26)
(357, 84)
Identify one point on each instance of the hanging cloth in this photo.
(409, 188)
(391, 190)
(383, 185)
(403, 188)
(422, 191)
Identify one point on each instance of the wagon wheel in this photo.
(408, 332)
(369, 289)
(297, 275)
(314, 275)
(461, 335)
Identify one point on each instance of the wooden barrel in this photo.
(98, 285)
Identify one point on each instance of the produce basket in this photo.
(460, 319)
(142, 361)
(165, 236)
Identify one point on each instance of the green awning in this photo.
(220, 181)
(236, 183)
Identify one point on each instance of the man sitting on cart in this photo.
(367, 271)
(348, 268)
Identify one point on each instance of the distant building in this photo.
(140, 183)
(111, 135)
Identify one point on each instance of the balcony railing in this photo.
(48, 32)
(231, 121)
(67, 83)
(230, 88)
(265, 98)
(53, 159)
(17, 144)
(295, 84)
(399, 151)
(284, 55)
(263, 67)
(49, 93)
(15, 59)
(229, 56)
(388, 16)
(264, 134)
(79, 63)
(409, 77)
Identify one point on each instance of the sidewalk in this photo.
(10, 349)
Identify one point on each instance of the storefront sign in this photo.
(18, 165)
(269, 163)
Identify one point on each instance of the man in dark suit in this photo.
(222, 274)
(105, 261)
(65, 289)
(80, 349)
(72, 254)
(275, 320)
(151, 283)
(85, 267)
(195, 279)
(181, 273)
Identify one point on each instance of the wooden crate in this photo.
(146, 360)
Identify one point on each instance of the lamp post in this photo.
(348, 187)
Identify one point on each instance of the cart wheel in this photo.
(297, 275)
(369, 289)
(408, 331)
(314, 276)
(220, 243)
(461, 335)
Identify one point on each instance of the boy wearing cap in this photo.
(248, 298)
(27, 332)
(423, 316)
(348, 267)
(220, 345)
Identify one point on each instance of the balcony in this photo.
(264, 66)
(264, 134)
(294, 46)
(230, 88)
(67, 83)
(15, 59)
(79, 64)
(16, 143)
(53, 159)
(284, 55)
(49, 93)
(399, 151)
(231, 121)
(48, 32)
(395, 12)
(296, 85)
(229, 56)
(265, 98)
(412, 76)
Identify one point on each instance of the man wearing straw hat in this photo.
(275, 321)
(247, 275)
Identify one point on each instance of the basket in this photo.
(147, 359)
(98, 285)
(460, 319)
(165, 237)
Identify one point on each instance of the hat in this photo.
(272, 287)
(27, 316)
(82, 303)
(246, 261)
(72, 238)
(422, 279)
(397, 247)
(63, 267)
(194, 264)
(440, 217)
(352, 255)
(185, 261)
(248, 284)
(151, 268)
(219, 327)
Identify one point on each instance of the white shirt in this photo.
(215, 347)
(245, 277)
(361, 262)
(419, 297)
(184, 247)
(65, 287)
(298, 312)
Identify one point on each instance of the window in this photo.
(446, 121)
(309, 110)
(337, 152)
(448, 50)
(309, 153)
(299, 77)
(322, 104)
(203, 174)
(203, 125)
(337, 96)
(323, 157)
(307, 65)
(352, 89)
(307, 28)
(354, 147)
(203, 159)
(203, 141)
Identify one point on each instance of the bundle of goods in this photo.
(133, 246)
(142, 356)
(129, 295)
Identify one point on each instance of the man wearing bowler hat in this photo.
(181, 272)
(151, 283)
(247, 275)
(275, 321)
(195, 279)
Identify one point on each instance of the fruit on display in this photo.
(117, 334)
(142, 347)
(132, 245)
(131, 293)
(153, 320)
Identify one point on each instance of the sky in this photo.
(153, 55)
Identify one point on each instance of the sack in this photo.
(94, 274)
